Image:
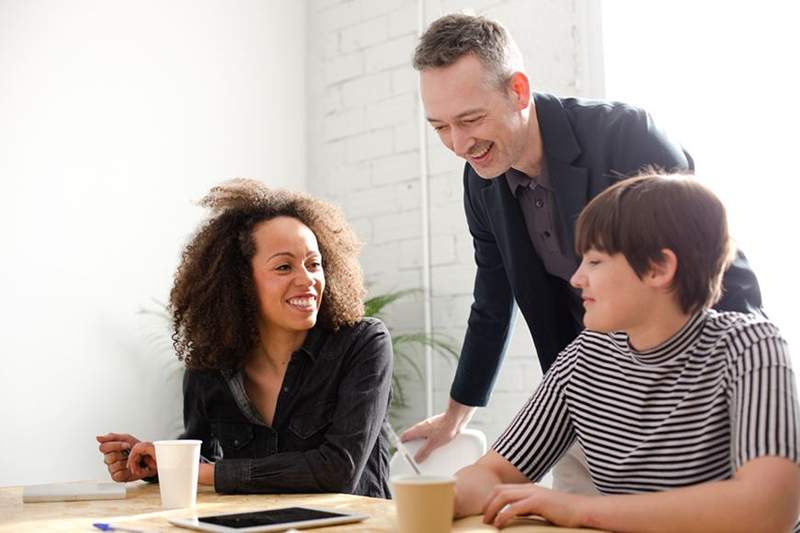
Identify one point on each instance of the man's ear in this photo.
(520, 89)
(662, 272)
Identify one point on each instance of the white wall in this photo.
(726, 106)
(115, 117)
(364, 153)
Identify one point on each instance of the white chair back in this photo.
(466, 448)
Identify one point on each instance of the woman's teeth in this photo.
(304, 303)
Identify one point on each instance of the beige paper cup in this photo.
(178, 467)
(424, 503)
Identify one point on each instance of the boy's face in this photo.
(614, 297)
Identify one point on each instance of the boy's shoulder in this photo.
(735, 334)
(591, 344)
(746, 328)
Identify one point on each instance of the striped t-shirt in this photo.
(716, 395)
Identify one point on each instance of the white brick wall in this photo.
(364, 155)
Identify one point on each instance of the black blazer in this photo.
(589, 145)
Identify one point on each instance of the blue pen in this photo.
(102, 526)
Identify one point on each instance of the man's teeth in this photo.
(303, 302)
(482, 152)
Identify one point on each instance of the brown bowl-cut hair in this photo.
(213, 301)
(641, 216)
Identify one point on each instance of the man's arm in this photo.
(638, 144)
(491, 315)
(492, 311)
(439, 429)
(740, 290)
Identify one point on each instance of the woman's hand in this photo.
(142, 460)
(117, 449)
(206, 474)
(509, 501)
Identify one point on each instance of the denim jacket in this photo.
(326, 434)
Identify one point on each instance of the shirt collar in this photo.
(517, 179)
(312, 345)
(676, 346)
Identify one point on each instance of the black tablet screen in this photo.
(265, 518)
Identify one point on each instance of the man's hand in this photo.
(439, 429)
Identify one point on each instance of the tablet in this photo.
(270, 520)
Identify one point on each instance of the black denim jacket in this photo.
(327, 433)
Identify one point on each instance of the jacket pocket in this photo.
(308, 424)
(233, 437)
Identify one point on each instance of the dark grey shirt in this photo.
(538, 204)
(326, 434)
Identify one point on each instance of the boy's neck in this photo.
(661, 324)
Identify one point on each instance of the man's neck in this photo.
(532, 158)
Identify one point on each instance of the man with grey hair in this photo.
(533, 161)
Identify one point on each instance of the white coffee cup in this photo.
(178, 467)
(424, 503)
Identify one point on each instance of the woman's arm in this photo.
(196, 423)
(763, 496)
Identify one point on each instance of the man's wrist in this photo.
(458, 413)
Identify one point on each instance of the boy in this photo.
(688, 416)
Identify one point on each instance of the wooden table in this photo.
(142, 510)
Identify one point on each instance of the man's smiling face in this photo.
(474, 117)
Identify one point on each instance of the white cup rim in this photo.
(186, 442)
(413, 479)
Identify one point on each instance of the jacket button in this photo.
(236, 442)
(539, 202)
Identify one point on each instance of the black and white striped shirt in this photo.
(716, 395)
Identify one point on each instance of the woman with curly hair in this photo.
(287, 384)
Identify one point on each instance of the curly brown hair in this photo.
(213, 301)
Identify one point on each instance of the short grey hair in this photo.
(451, 37)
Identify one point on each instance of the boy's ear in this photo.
(662, 272)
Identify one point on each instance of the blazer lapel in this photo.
(524, 268)
(570, 182)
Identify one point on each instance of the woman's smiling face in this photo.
(287, 274)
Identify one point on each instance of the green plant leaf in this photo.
(405, 346)
(374, 306)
